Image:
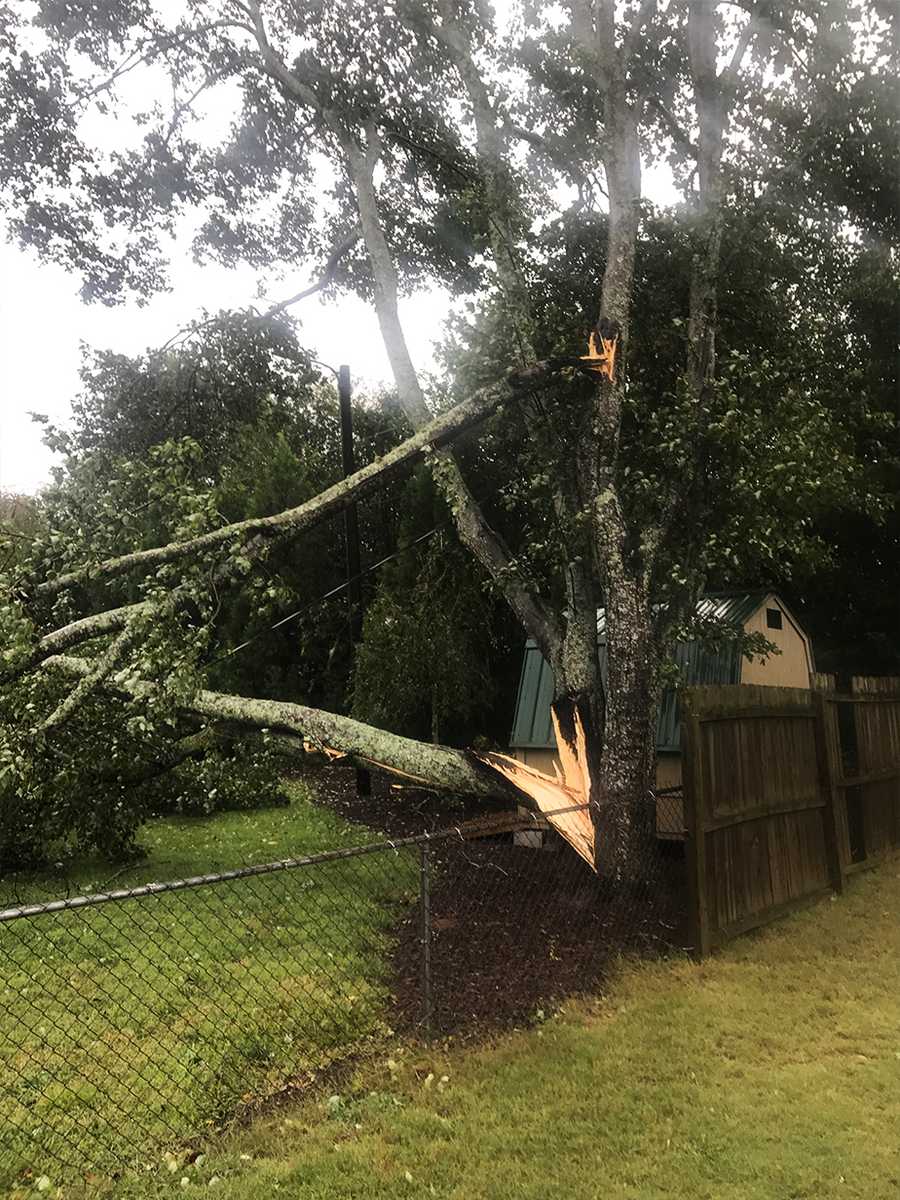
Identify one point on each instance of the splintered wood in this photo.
(326, 751)
(566, 789)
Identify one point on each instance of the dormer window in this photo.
(773, 618)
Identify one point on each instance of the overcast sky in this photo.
(43, 323)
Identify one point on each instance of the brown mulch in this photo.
(514, 930)
(397, 809)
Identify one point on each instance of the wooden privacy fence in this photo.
(786, 791)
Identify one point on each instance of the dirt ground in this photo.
(514, 930)
(398, 810)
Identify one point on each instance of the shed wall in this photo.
(793, 666)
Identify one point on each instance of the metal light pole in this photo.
(351, 540)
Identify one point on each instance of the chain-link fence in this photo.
(134, 1021)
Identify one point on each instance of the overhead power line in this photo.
(335, 591)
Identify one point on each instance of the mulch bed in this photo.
(514, 930)
(398, 810)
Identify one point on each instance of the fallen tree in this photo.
(435, 766)
(564, 799)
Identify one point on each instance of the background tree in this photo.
(439, 657)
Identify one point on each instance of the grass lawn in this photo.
(131, 1024)
(771, 1072)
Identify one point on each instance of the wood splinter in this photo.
(569, 789)
(602, 347)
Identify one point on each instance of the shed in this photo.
(532, 739)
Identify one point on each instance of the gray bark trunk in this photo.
(625, 827)
(475, 532)
(625, 770)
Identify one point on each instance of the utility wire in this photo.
(333, 592)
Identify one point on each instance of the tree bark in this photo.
(574, 657)
(475, 532)
(434, 766)
(624, 828)
(625, 770)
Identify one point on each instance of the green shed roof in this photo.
(532, 727)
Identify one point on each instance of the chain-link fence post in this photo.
(425, 937)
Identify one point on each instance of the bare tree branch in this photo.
(187, 105)
(728, 74)
(275, 65)
(324, 279)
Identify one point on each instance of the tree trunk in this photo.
(625, 829)
(475, 532)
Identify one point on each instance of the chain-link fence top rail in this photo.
(136, 1019)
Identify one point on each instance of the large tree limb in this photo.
(431, 436)
(113, 620)
(476, 533)
(428, 764)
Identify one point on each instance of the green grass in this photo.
(771, 1072)
(129, 1025)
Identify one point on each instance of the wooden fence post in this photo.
(695, 831)
(829, 791)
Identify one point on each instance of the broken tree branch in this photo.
(425, 763)
(433, 435)
(346, 244)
